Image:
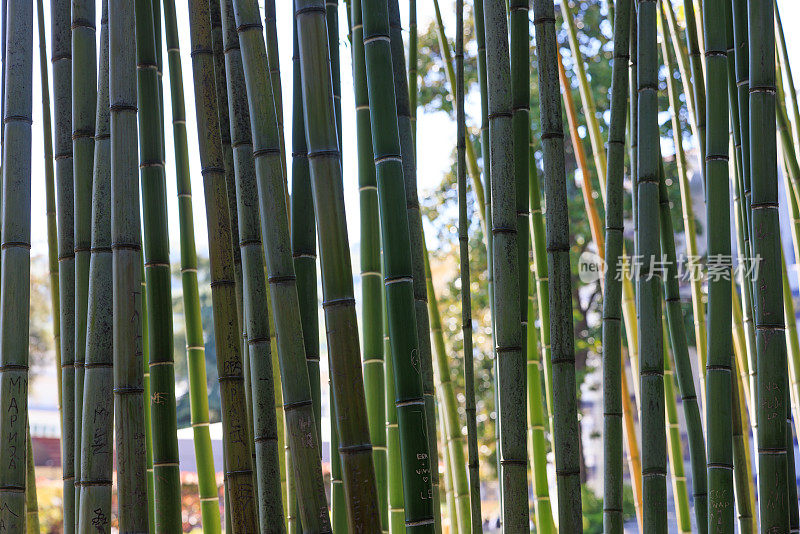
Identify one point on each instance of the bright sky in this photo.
(436, 134)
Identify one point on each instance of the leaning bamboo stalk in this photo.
(417, 459)
(50, 195)
(195, 346)
(126, 247)
(474, 499)
(355, 450)
(255, 296)
(563, 356)
(15, 259)
(239, 475)
(297, 396)
(166, 474)
(786, 67)
(97, 460)
(771, 347)
(61, 57)
(452, 437)
(84, 102)
(371, 287)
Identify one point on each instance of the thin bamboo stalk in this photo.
(15, 260)
(271, 33)
(129, 423)
(416, 454)
(413, 64)
(449, 492)
(698, 79)
(566, 430)
(31, 500)
(745, 496)
(97, 460)
(786, 67)
(771, 347)
(297, 396)
(394, 474)
(148, 427)
(371, 288)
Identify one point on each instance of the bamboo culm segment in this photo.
(129, 423)
(239, 474)
(770, 335)
(720, 343)
(84, 102)
(255, 296)
(61, 57)
(15, 259)
(418, 247)
(567, 433)
(397, 262)
(302, 436)
(371, 287)
(97, 461)
(355, 450)
(195, 346)
(612, 304)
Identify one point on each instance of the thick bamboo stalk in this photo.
(129, 426)
(417, 459)
(371, 287)
(166, 474)
(297, 396)
(394, 472)
(355, 449)
(50, 195)
(239, 474)
(654, 455)
(267, 454)
(770, 336)
(61, 57)
(195, 346)
(473, 501)
(97, 460)
(15, 260)
(566, 430)
(612, 305)
(84, 102)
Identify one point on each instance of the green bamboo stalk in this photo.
(683, 365)
(195, 347)
(473, 501)
(418, 246)
(771, 347)
(790, 168)
(166, 473)
(84, 102)
(267, 464)
(452, 437)
(680, 494)
(355, 449)
(786, 67)
(741, 59)
(394, 472)
(50, 195)
(793, 352)
(97, 460)
(633, 98)
(447, 486)
(129, 426)
(612, 305)
(413, 64)
(239, 475)
(745, 497)
(510, 357)
(587, 96)
(297, 396)
(654, 456)
(148, 434)
(417, 459)
(271, 33)
(719, 366)
(15, 259)
(61, 57)
(536, 420)
(31, 500)
(565, 425)
(698, 79)
(371, 289)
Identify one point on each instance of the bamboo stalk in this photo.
(97, 460)
(129, 426)
(565, 425)
(745, 497)
(394, 473)
(31, 500)
(148, 427)
(416, 454)
(698, 79)
(297, 395)
(372, 332)
(271, 33)
(15, 260)
(786, 67)
(195, 346)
